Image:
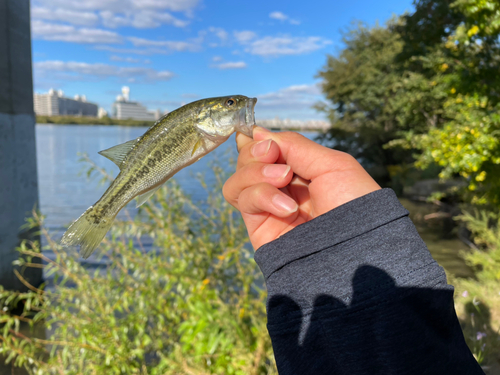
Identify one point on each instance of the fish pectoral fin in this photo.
(197, 146)
(141, 199)
(119, 152)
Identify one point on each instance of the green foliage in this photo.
(483, 17)
(485, 227)
(425, 88)
(478, 299)
(465, 142)
(361, 84)
(193, 304)
(468, 145)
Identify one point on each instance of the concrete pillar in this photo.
(18, 174)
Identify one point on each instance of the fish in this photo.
(178, 139)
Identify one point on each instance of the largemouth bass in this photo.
(177, 140)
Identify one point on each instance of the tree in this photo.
(423, 89)
(464, 67)
(360, 85)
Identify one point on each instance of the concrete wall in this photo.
(18, 174)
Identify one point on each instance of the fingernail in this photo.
(261, 148)
(284, 203)
(276, 170)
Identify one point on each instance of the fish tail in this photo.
(87, 231)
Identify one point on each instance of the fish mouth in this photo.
(247, 118)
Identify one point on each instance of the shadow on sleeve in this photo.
(403, 330)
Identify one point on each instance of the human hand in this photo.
(284, 179)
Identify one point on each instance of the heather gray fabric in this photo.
(355, 291)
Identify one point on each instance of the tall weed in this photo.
(190, 303)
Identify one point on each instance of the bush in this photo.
(194, 304)
(478, 299)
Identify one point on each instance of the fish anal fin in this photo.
(119, 152)
(141, 199)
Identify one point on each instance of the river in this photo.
(66, 192)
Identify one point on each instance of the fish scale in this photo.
(175, 141)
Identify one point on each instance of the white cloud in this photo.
(126, 59)
(131, 51)
(112, 20)
(295, 102)
(292, 97)
(279, 45)
(231, 65)
(278, 16)
(90, 5)
(173, 5)
(114, 13)
(178, 46)
(216, 58)
(75, 17)
(120, 5)
(286, 45)
(145, 19)
(244, 36)
(81, 70)
(313, 89)
(283, 17)
(220, 32)
(66, 33)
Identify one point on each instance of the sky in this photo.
(172, 52)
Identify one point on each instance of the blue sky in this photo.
(171, 52)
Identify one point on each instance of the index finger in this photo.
(264, 151)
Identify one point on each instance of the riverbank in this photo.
(278, 125)
(79, 120)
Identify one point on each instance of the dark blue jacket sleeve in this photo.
(355, 291)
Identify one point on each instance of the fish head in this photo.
(220, 117)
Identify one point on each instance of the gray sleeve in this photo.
(355, 291)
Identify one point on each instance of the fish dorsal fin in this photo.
(119, 152)
(141, 199)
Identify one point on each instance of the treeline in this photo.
(422, 91)
(419, 98)
(79, 120)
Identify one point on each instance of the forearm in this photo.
(355, 291)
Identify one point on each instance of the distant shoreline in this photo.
(74, 120)
(313, 126)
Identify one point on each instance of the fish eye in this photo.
(230, 102)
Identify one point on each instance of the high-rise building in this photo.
(124, 109)
(54, 103)
(102, 112)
